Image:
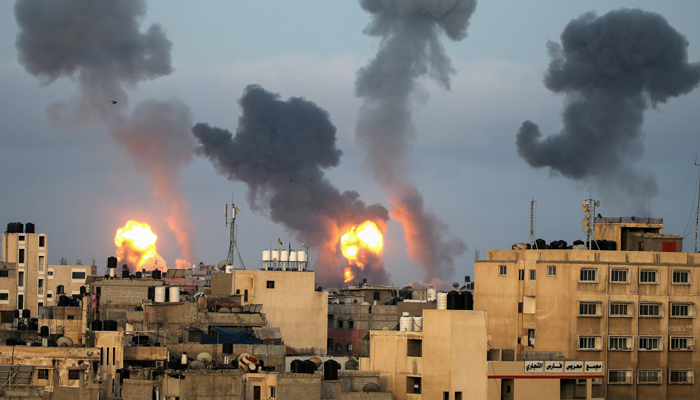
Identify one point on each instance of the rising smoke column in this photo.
(410, 49)
(279, 150)
(610, 68)
(99, 44)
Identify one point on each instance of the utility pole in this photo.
(531, 238)
(697, 213)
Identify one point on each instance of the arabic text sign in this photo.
(594, 367)
(534, 366)
(573, 367)
(554, 366)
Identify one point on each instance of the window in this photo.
(59, 289)
(349, 347)
(273, 392)
(648, 276)
(49, 295)
(681, 277)
(73, 374)
(4, 273)
(588, 275)
(502, 270)
(595, 381)
(42, 262)
(40, 304)
(40, 287)
(619, 377)
(533, 274)
(20, 279)
(458, 395)
(351, 324)
(270, 284)
(414, 348)
(682, 343)
(620, 343)
(681, 377)
(650, 343)
(619, 275)
(4, 296)
(20, 258)
(650, 310)
(589, 309)
(521, 274)
(340, 324)
(20, 301)
(42, 374)
(78, 275)
(42, 241)
(20, 238)
(551, 270)
(682, 310)
(646, 376)
(49, 273)
(245, 295)
(413, 385)
(589, 343)
(621, 309)
(445, 395)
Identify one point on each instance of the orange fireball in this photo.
(136, 244)
(358, 239)
(348, 275)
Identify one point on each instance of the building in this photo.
(27, 281)
(634, 311)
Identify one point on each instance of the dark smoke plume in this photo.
(99, 44)
(410, 49)
(611, 69)
(279, 150)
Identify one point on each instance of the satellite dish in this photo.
(64, 342)
(222, 265)
(585, 202)
(204, 357)
(584, 221)
(239, 208)
(587, 214)
(197, 365)
(584, 208)
(585, 228)
(597, 203)
(370, 387)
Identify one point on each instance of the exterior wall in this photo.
(551, 309)
(61, 359)
(293, 304)
(299, 386)
(203, 385)
(8, 292)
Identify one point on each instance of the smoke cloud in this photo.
(280, 150)
(610, 69)
(410, 48)
(100, 45)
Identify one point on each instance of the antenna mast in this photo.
(531, 238)
(697, 214)
(588, 208)
(233, 246)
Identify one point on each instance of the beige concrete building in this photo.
(290, 301)
(32, 282)
(633, 311)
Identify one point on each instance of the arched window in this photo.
(245, 296)
(349, 347)
(238, 291)
(376, 295)
(340, 324)
(59, 289)
(338, 347)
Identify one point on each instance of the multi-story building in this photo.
(27, 281)
(634, 311)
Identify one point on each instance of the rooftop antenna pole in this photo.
(233, 246)
(697, 214)
(588, 207)
(531, 238)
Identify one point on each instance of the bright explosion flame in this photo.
(357, 242)
(136, 245)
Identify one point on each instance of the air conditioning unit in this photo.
(160, 364)
(691, 347)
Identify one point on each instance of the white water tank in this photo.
(431, 294)
(266, 255)
(406, 323)
(293, 256)
(159, 296)
(301, 258)
(275, 255)
(174, 294)
(417, 324)
(284, 256)
(442, 301)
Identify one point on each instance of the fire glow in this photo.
(358, 243)
(136, 245)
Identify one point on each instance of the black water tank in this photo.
(22, 326)
(578, 242)
(227, 348)
(44, 332)
(110, 325)
(151, 293)
(467, 300)
(11, 341)
(156, 274)
(33, 324)
(26, 313)
(140, 339)
(297, 366)
(453, 301)
(112, 262)
(83, 290)
(16, 314)
(29, 228)
(64, 301)
(125, 273)
(96, 325)
(330, 370)
(309, 367)
(138, 275)
(126, 374)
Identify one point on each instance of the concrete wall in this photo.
(299, 386)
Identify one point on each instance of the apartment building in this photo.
(27, 281)
(634, 311)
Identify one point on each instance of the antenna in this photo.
(588, 208)
(531, 238)
(233, 246)
(697, 214)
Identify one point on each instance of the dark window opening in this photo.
(270, 284)
(4, 296)
(414, 348)
(42, 241)
(338, 347)
(521, 275)
(351, 324)
(20, 301)
(73, 374)
(78, 275)
(59, 289)
(20, 238)
(340, 324)
(329, 344)
(376, 295)
(413, 385)
(21, 256)
(445, 395)
(42, 374)
(245, 295)
(4, 273)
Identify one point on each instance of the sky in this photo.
(79, 184)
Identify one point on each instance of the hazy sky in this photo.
(80, 185)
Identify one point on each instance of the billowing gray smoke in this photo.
(410, 49)
(280, 150)
(100, 44)
(611, 68)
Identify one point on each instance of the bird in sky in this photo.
(114, 102)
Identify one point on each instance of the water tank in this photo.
(26, 313)
(83, 290)
(301, 256)
(22, 326)
(11, 341)
(330, 370)
(266, 256)
(227, 348)
(112, 262)
(16, 314)
(96, 325)
(406, 323)
(297, 366)
(284, 256)
(156, 274)
(125, 273)
(159, 294)
(151, 293)
(292, 256)
(467, 300)
(29, 228)
(33, 324)
(140, 339)
(431, 294)
(454, 301)
(174, 294)
(417, 324)
(275, 255)
(442, 301)
(309, 367)
(138, 275)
